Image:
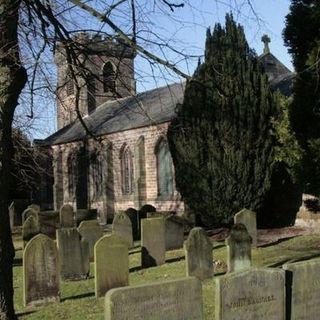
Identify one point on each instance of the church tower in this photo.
(106, 73)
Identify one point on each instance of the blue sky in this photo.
(185, 29)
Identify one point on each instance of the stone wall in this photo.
(109, 149)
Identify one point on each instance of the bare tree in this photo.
(31, 29)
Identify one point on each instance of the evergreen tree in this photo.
(222, 141)
(302, 36)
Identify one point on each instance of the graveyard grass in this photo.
(78, 300)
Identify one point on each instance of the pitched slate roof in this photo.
(152, 107)
(147, 108)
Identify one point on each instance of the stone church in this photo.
(123, 159)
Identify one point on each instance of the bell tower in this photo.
(105, 73)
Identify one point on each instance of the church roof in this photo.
(147, 108)
(153, 107)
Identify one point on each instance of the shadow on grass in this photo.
(138, 268)
(175, 259)
(79, 296)
(276, 242)
(24, 313)
(135, 250)
(17, 262)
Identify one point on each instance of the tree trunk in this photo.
(12, 80)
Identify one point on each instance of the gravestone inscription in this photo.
(169, 300)
(251, 295)
(41, 279)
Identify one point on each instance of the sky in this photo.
(185, 30)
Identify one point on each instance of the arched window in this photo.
(126, 170)
(164, 168)
(72, 175)
(69, 83)
(109, 77)
(91, 85)
(96, 173)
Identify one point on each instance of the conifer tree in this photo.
(222, 140)
(302, 36)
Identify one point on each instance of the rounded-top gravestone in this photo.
(67, 216)
(122, 227)
(41, 278)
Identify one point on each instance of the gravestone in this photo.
(30, 229)
(41, 279)
(174, 232)
(249, 219)
(134, 218)
(35, 207)
(153, 248)
(111, 268)
(85, 214)
(169, 300)
(142, 213)
(238, 248)
(16, 208)
(122, 227)
(29, 212)
(73, 254)
(255, 294)
(67, 216)
(303, 289)
(90, 232)
(198, 252)
(49, 222)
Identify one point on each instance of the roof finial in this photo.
(266, 40)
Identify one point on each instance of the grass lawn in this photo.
(78, 301)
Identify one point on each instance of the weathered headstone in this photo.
(67, 216)
(249, 219)
(16, 208)
(251, 295)
(91, 232)
(35, 207)
(134, 218)
(153, 248)
(30, 229)
(85, 214)
(143, 213)
(41, 279)
(29, 212)
(73, 254)
(111, 268)
(303, 289)
(49, 222)
(238, 248)
(198, 252)
(122, 227)
(174, 232)
(169, 300)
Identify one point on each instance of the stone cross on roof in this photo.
(266, 40)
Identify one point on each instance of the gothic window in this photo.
(96, 174)
(126, 170)
(69, 83)
(72, 175)
(109, 77)
(91, 84)
(164, 168)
